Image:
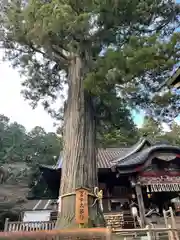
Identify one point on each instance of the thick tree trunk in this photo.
(79, 167)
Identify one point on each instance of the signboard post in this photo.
(81, 213)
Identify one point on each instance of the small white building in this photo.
(39, 210)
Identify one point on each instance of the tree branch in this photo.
(51, 54)
(59, 52)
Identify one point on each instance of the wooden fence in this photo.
(28, 226)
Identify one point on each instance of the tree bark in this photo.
(79, 168)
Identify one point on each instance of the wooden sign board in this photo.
(81, 213)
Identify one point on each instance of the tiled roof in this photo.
(104, 157)
(143, 143)
(108, 156)
(35, 205)
(134, 155)
(141, 157)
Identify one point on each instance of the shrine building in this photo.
(146, 174)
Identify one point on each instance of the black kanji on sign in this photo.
(81, 205)
(81, 211)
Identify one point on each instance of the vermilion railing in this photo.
(74, 234)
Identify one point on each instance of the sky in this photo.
(13, 105)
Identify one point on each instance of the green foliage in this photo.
(154, 131)
(119, 138)
(151, 128)
(136, 37)
(174, 135)
(21, 153)
(117, 129)
(35, 147)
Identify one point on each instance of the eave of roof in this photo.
(133, 150)
(130, 163)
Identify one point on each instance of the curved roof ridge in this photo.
(136, 147)
(144, 155)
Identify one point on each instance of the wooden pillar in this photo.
(140, 204)
(109, 201)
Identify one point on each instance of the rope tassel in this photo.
(99, 196)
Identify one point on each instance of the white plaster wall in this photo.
(39, 215)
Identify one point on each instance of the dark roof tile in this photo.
(141, 157)
(104, 157)
(108, 157)
(35, 205)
